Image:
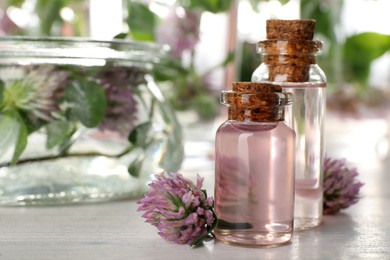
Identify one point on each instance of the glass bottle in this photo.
(254, 167)
(82, 120)
(289, 59)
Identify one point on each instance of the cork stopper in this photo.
(289, 49)
(255, 102)
(290, 29)
(255, 87)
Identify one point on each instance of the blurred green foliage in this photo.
(50, 22)
(142, 22)
(346, 60)
(190, 89)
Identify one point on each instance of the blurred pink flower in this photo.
(341, 188)
(180, 30)
(7, 26)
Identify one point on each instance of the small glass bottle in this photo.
(289, 59)
(254, 167)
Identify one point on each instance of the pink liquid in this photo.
(254, 192)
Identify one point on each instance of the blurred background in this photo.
(213, 42)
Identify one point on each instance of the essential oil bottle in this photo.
(289, 59)
(254, 167)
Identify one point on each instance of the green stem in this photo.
(62, 156)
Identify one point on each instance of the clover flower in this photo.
(179, 209)
(34, 90)
(180, 30)
(7, 26)
(341, 188)
(121, 113)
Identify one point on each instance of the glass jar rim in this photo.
(72, 50)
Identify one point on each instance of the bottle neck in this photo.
(294, 59)
(289, 68)
(289, 61)
(253, 126)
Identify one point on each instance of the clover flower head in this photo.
(33, 89)
(122, 107)
(341, 188)
(179, 209)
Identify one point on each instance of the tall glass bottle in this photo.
(289, 59)
(254, 167)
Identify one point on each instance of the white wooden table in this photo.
(115, 230)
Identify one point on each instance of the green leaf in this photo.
(360, 50)
(136, 166)
(368, 46)
(58, 132)
(21, 141)
(9, 128)
(173, 154)
(251, 61)
(283, 2)
(1, 93)
(170, 70)
(17, 3)
(142, 22)
(87, 102)
(206, 106)
(213, 6)
(49, 14)
(140, 135)
(13, 132)
(120, 36)
(325, 13)
(67, 142)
